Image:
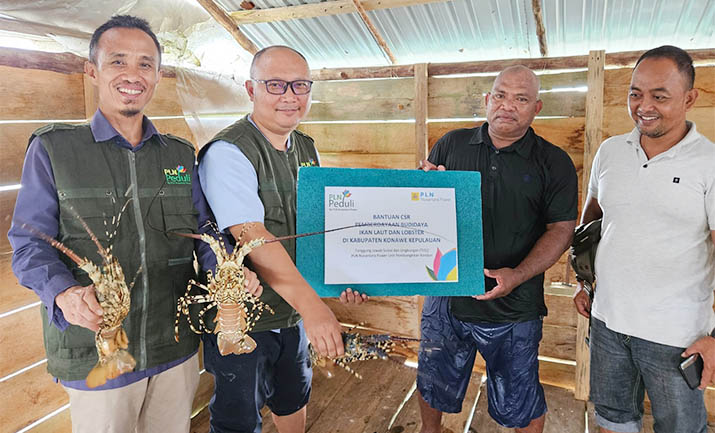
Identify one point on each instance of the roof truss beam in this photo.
(312, 10)
(540, 29)
(223, 18)
(373, 30)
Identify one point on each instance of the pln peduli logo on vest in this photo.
(177, 176)
(310, 163)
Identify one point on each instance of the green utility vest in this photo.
(97, 179)
(277, 173)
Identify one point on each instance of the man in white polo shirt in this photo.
(653, 305)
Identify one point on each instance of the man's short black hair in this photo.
(124, 22)
(260, 54)
(679, 56)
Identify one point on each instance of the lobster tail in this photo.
(236, 344)
(231, 338)
(114, 359)
(119, 363)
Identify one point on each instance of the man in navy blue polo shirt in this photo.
(529, 199)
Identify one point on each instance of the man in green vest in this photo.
(248, 174)
(94, 170)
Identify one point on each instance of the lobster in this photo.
(113, 296)
(225, 291)
(360, 347)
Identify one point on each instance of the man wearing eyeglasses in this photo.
(248, 173)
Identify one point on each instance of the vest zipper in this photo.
(142, 255)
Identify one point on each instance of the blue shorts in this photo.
(277, 374)
(446, 360)
(623, 368)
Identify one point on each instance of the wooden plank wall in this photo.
(356, 123)
(31, 97)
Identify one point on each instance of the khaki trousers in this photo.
(161, 403)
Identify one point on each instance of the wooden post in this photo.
(593, 137)
(421, 101)
(90, 98)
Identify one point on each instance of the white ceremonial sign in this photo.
(406, 235)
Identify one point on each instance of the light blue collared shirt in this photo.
(230, 184)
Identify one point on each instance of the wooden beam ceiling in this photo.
(223, 18)
(312, 10)
(373, 30)
(69, 63)
(540, 29)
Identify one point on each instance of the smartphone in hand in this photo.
(692, 370)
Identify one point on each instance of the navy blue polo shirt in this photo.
(525, 186)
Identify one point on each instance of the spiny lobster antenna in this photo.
(214, 226)
(100, 249)
(187, 235)
(115, 224)
(139, 271)
(239, 243)
(55, 243)
(302, 235)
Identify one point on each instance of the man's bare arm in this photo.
(545, 253)
(274, 265)
(591, 211)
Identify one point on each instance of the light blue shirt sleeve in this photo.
(230, 184)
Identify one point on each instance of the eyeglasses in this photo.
(279, 87)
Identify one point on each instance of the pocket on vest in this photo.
(98, 213)
(179, 214)
(75, 341)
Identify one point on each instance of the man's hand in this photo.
(428, 166)
(251, 283)
(706, 348)
(507, 280)
(350, 296)
(582, 301)
(323, 330)
(80, 307)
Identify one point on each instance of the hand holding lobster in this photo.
(80, 307)
(356, 347)
(101, 306)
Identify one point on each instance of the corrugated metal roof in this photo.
(575, 27)
(466, 30)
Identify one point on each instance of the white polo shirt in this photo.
(655, 264)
